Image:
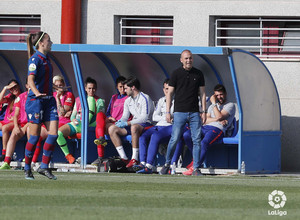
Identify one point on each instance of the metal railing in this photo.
(15, 28)
(267, 38)
(156, 33)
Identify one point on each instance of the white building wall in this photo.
(191, 28)
(287, 79)
(50, 11)
(191, 18)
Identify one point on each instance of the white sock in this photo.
(149, 165)
(121, 152)
(135, 153)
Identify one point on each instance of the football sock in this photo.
(29, 150)
(62, 143)
(37, 150)
(7, 160)
(48, 150)
(100, 125)
(100, 131)
(121, 152)
(135, 153)
(100, 150)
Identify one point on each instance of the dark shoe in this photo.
(146, 170)
(138, 167)
(197, 172)
(46, 172)
(97, 162)
(2, 157)
(28, 175)
(165, 170)
(100, 141)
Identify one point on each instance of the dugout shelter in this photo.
(248, 82)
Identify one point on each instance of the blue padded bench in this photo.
(234, 138)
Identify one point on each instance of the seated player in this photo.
(114, 113)
(140, 106)
(20, 128)
(94, 104)
(7, 124)
(64, 100)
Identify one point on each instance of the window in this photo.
(15, 28)
(146, 30)
(265, 37)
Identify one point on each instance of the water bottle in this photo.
(243, 168)
(179, 163)
(173, 169)
(78, 116)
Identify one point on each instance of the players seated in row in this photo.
(18, 132)
(20, 128)
(7, 124)
(65, 101)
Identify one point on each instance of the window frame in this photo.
(271, 37)
(15, 28)
(146, 30)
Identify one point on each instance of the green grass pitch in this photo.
(131, 196)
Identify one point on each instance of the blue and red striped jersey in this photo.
(40, 66)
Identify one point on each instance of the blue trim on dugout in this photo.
(243, 51)
(238, 98)
(139, 49)
(13, 71)
(118, 48)
(85, 112)
(251, 137)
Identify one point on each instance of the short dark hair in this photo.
(120, 79)
(167, 80)
(90, 80)
(13, 80)
(133, 81)
(220, 88)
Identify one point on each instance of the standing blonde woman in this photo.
(40, 104)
